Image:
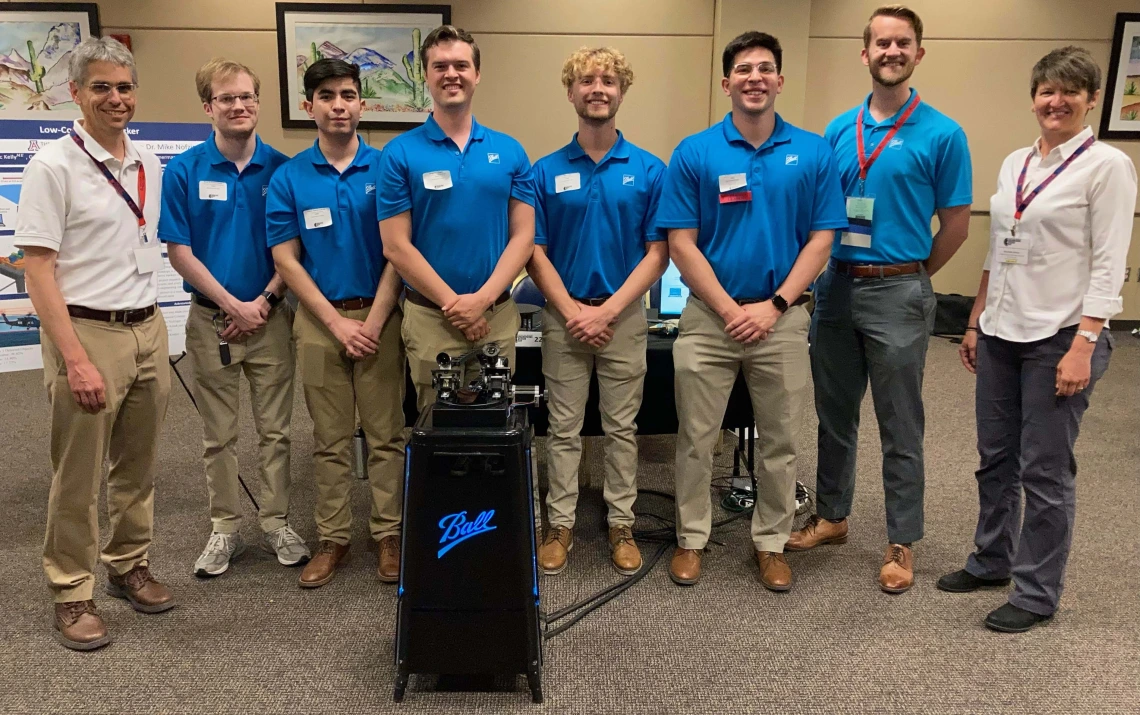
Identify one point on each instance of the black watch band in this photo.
(780, 303)
(270, 297)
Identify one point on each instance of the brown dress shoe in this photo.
(140, 589)
(624, 553)
(817, 532)
(79, 627)
(775, 573)
(897, 574)
(388, 566)
(321, 569)
(555, 548)
(685, 566)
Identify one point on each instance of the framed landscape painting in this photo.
(36, 41)
(382, 40)
(1120, 117)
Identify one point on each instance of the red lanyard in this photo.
(865, 162)
(136, 209)
(1021, 201)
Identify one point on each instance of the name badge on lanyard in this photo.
(861, 208)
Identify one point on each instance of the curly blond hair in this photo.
(606, 59)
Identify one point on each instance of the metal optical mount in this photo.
(492, 385)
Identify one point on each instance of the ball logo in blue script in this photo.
(456, 529)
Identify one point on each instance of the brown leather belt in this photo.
(422, 300)
(856, 270)
(592, 302)
(126, 317)
(352, 303)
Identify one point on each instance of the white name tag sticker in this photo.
(567, 182)
(213, 191)
(1013, 250)
(148, 260)
(318, 218)
(437, 180)
(731, 182)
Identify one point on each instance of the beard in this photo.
(584, 113)
(877, 73)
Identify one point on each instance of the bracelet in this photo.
(971, 328)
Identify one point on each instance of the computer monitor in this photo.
(669, 294)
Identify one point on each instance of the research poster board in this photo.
(19, 142)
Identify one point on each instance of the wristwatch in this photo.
(270, 297)
(780, 303)
(1088, 335)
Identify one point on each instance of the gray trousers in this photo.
(1025, 441)
(875, 328)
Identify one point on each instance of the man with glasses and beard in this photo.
(901, 162)
(213, 222)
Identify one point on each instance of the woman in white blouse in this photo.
(1061, 221)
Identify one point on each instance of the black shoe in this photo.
(964, 582)
(1011, 619)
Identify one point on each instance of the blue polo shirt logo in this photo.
(895, 143)
(369, 189)
(265, 189)
(792, 160)
(627, 179)
(492, 158)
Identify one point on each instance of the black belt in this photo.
(592, 302)
(417, 298)
(206, 302)
(352, 303)
(749, 301)
(126, 317)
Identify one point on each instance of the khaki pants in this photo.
(567, 364)
(337, 389)
(266, 359)
(133, 361)
(706, 361)
(427, 333)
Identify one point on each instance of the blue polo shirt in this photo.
(459, 199)
(334, 214)
(594, 219)
(220, 214)
(925, 167)
(752, 243)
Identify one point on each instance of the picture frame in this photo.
(384, 43)
(1120, 112)
(36, 40)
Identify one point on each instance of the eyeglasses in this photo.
(744, 69)
(102, 89)
(225, 101)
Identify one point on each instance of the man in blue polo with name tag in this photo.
(596, 254)
(321, 225)
(750, 206)
(456, 208)
(213, 222)
(901, 162)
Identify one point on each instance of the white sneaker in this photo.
(219, 551)
(288, 545)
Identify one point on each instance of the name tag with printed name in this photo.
(148, 260)
(318, 218)
(437, 180)
(567, 182)
(731, 182)
(860, 214)
(213, 191)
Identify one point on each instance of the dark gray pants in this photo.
(1025, 441)
(877, 328)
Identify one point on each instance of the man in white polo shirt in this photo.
(86, 221)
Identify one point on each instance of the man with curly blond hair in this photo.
(596, 254)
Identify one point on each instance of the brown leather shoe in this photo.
(897, 574)
(79, 627)
(388, 565)
(624, 553)
(321, 569)
(685, 566)
(555, 548)
(775, 573)
(140, 589)
(817, 532)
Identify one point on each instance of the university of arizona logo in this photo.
(492, 158)
(791, 160)
(457, 529)
(369, 189)
(33, 145)
(627, 179)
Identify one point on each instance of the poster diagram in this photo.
(19, 142)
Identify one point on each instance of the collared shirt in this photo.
(1078, 229)
(459, 199)
(220, 213)
(924, 167)
(595, 219)
(68, 206)
(752, 244)
(334, 214)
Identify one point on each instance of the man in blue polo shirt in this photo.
(901, 162)
(321, 225)
(750, 206)
(213, 221)
(596, 254)
(456, 207)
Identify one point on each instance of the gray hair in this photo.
(1070, 67)
(99, 49)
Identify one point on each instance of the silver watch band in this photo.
(1088, 335)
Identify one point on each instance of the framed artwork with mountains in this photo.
(382, 40)
(36, 42)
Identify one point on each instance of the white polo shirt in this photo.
(67, 205)
(1078, 230)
